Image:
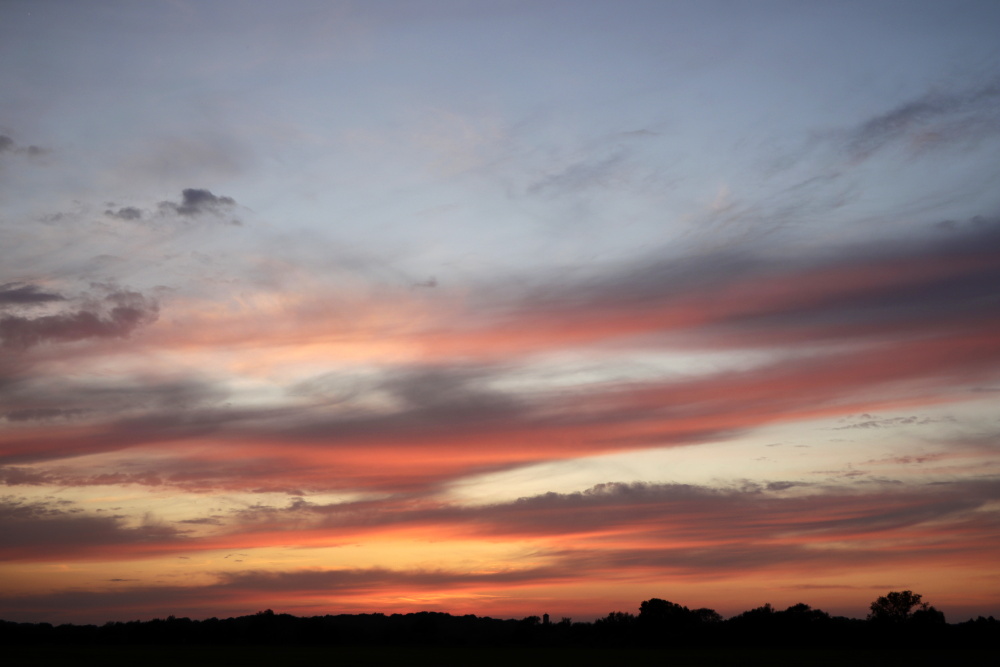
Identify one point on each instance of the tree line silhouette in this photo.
(899, 618)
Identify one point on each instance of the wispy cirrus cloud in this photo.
(936, 118)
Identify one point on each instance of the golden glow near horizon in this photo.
(391, 326)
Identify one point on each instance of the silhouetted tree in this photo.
(898, 607)
(908, 622)
(803, 613)
(664, 622)
(706, 615)
(617, 618)
(660, 612)
(763, 611)
(927, 615)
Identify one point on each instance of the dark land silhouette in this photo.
(899, 619)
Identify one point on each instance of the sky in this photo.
(497, 308)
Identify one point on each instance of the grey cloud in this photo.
(586, 174)
(190, 393)
(204, 521)
(20, 294)
(331, 388)
(679, 508)
(117, 415)
(734, 520)
(8, 145)
(741, 530)
(783, 486)
(125, 213)
(456, 389)
(435, 399)
(35, 528)
(203, 156)
(367, 579)
(759, 545)
(15, 476)
(415, 387)
(611, 504)
(153, 426)
(726, 558)
(195, 201)
(670, 512)
(454, 405)
(867, 421)
(98, 606)
(228, 596)
(901, 293)
(19, 476)
(449, 407)
(51, 398)
(933, 117)
(39, 414)
(118, 315)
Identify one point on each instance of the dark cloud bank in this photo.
(117, 315)
(195, 202)
(20, 294)
(8, 145)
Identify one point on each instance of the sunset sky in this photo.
(502, 308)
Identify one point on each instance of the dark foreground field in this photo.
(311, 656)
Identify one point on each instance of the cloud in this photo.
(912, 321)
(117, 315)
(675, 529)
(691, 512)
(15, 476)
(125, 395)
(437, 422)
(232, 593)
(8, 145)
(936, 281)
(668, 531)
(867, 421)
(125, 213)
(197, 202)
(39, 414)
(177, 157)
(29, 528)
(19, 294)
(458, 389)
(666, 516)
(367, 579)
(933, 118)
(605, 172)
